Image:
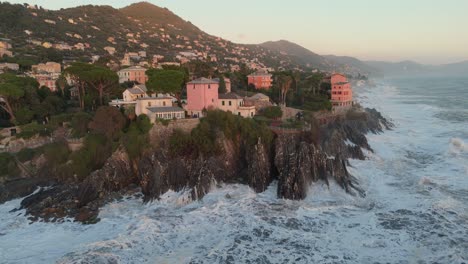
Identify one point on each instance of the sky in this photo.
(426, 31)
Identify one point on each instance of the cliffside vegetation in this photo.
(204, 139)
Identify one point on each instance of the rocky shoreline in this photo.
(294, 160)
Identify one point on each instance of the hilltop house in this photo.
(47, 74)
(158, 108)
(5, 47)
(133, 74)
(236, 105)
(9, 66)
(154, 106)
(258, 100)
(341, 92)
(202, 94)
(260, 80)
(48, 67)
(132, 94)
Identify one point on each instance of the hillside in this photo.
(413, 68)
(307, 58)
(353, 65)
(299, 54)
(398, 68)
(138, 27)
(81, 32)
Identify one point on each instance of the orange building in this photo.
(261, 80)
(133, 74)
(341, 92)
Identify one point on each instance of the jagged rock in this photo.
(259, 173)
(116, 175)
(292, 159)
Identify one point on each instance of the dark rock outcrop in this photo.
(293, 159)
(82, 200)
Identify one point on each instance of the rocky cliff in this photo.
(295, 160)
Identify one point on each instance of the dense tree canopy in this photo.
(165, 81)
(108, 121)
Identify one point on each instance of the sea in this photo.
(415, 209)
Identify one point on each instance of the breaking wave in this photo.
(415, 210)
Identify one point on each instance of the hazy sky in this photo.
(427, 31)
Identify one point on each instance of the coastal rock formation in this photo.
(82, 200)
(296, 160)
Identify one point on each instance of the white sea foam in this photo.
(414, 210)
(457, 146)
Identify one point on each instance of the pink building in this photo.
(202, 94)
(133, 74)
(341, 92)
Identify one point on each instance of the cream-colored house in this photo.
(132, 94)
(49, 67)
(235, 104)
(158, 108)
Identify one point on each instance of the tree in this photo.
(102, 79)
(78, 72)
(8, 93)
(165, 81)
(108, 121)
(222, 85)
(62, 84)
(284, 83)
(200, 69)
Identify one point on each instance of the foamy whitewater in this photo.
(415, 211)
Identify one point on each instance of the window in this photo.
(212, 100)
(164, 103)
(149, 103)
(230, 103)
(222, 102)
(238, 113)
(209, 86)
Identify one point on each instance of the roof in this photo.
(230, 96)
(260, 74)
(154, 98)
(134, 68)
(138, 89)
(341, 83)
(227, 80)
(135, 91)
(203, 81)
(259, 96)
(165, 109)
(338, 74)
(141, 86)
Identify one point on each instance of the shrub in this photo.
(8, 165)
(108, 121)
(162, 121)
(79, 124)
(272, 112)
(24, 116)
(59, 120)
(95, 152)
(26, 154)
(56, 153)
(32, 129)
(203, 138)
(136, 139)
